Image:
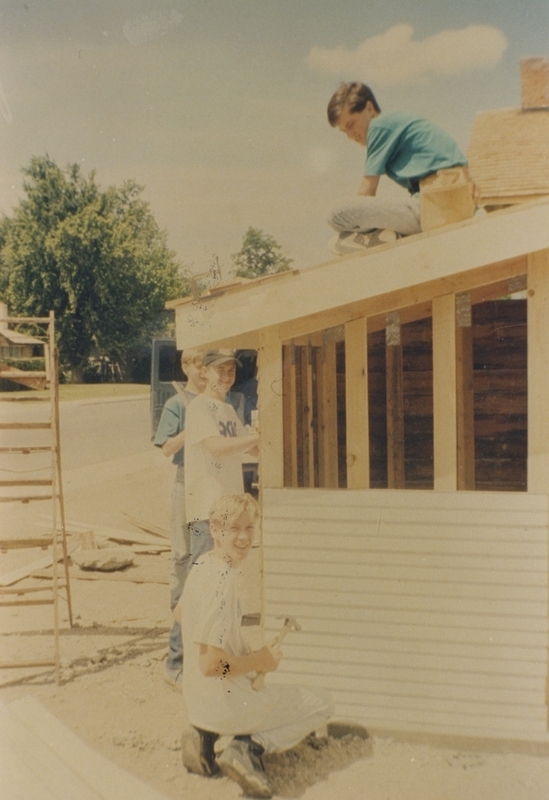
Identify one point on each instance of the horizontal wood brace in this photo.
(483, 283)
(21, 320)
(24, 426)
(18, 664)
(27, 398)
(356, 502)
(23, 544)
(458, 526)
(22, 373)
(25, 498)
(44, 602)
(31, 589)
(27, 482)
(26, 450)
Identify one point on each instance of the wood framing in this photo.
(385, 278)
(444, 393)
(271, 396)
(538, 372)
(327, 416)
(356, 382)
(465, 409)
(428, 611)
(289, 416)
(395, 405)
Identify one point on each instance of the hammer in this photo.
(290, 623)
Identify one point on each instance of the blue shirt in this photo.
(406, 148)
(172, 419)
(172, 422)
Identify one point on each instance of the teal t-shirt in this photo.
(406, 148)
(172, 422)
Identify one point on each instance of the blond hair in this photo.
(190, 355)
(230, 507)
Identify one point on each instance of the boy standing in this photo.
(170, 436)
(217, 684)
(216, 440)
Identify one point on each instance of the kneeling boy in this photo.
(219, 666)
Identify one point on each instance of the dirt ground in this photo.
(114, 697)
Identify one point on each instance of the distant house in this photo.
(14, 344)
(509, 149)
(404, 469)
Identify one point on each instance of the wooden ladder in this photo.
(27, 490)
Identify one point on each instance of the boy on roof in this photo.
(413, 152)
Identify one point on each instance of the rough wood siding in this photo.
(421, 611)
(501, 395)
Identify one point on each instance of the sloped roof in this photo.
(232, 316)
(509, 154)
(14, 337)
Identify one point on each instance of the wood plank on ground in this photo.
(28, 768)
(70, 759)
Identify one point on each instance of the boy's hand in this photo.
(269, 658)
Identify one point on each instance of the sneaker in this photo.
(354, 242)
(241, 761)
(197, 751)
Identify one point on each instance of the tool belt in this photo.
(445, 197)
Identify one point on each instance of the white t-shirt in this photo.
(210, 614)
(208, 478)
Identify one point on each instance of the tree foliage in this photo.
(97, 258)
(259, 255)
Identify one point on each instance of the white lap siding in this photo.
(420, 611)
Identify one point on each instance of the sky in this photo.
(218, 107)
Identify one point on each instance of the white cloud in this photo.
(150, 26)
(395, 58)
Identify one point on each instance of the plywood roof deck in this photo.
(489, 248)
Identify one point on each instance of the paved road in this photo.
(102, 436)
(93, 432)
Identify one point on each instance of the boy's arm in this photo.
(220, 446)
(217, 663)
(175, 443)
(368, 185)
(169, 437)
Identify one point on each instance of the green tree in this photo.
(259, 255)
(97, 258)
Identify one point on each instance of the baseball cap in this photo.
(213, 357)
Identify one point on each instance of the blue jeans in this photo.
(364, 214)
(180, 561)
(200, 541)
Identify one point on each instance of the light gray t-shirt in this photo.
(208, 478)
